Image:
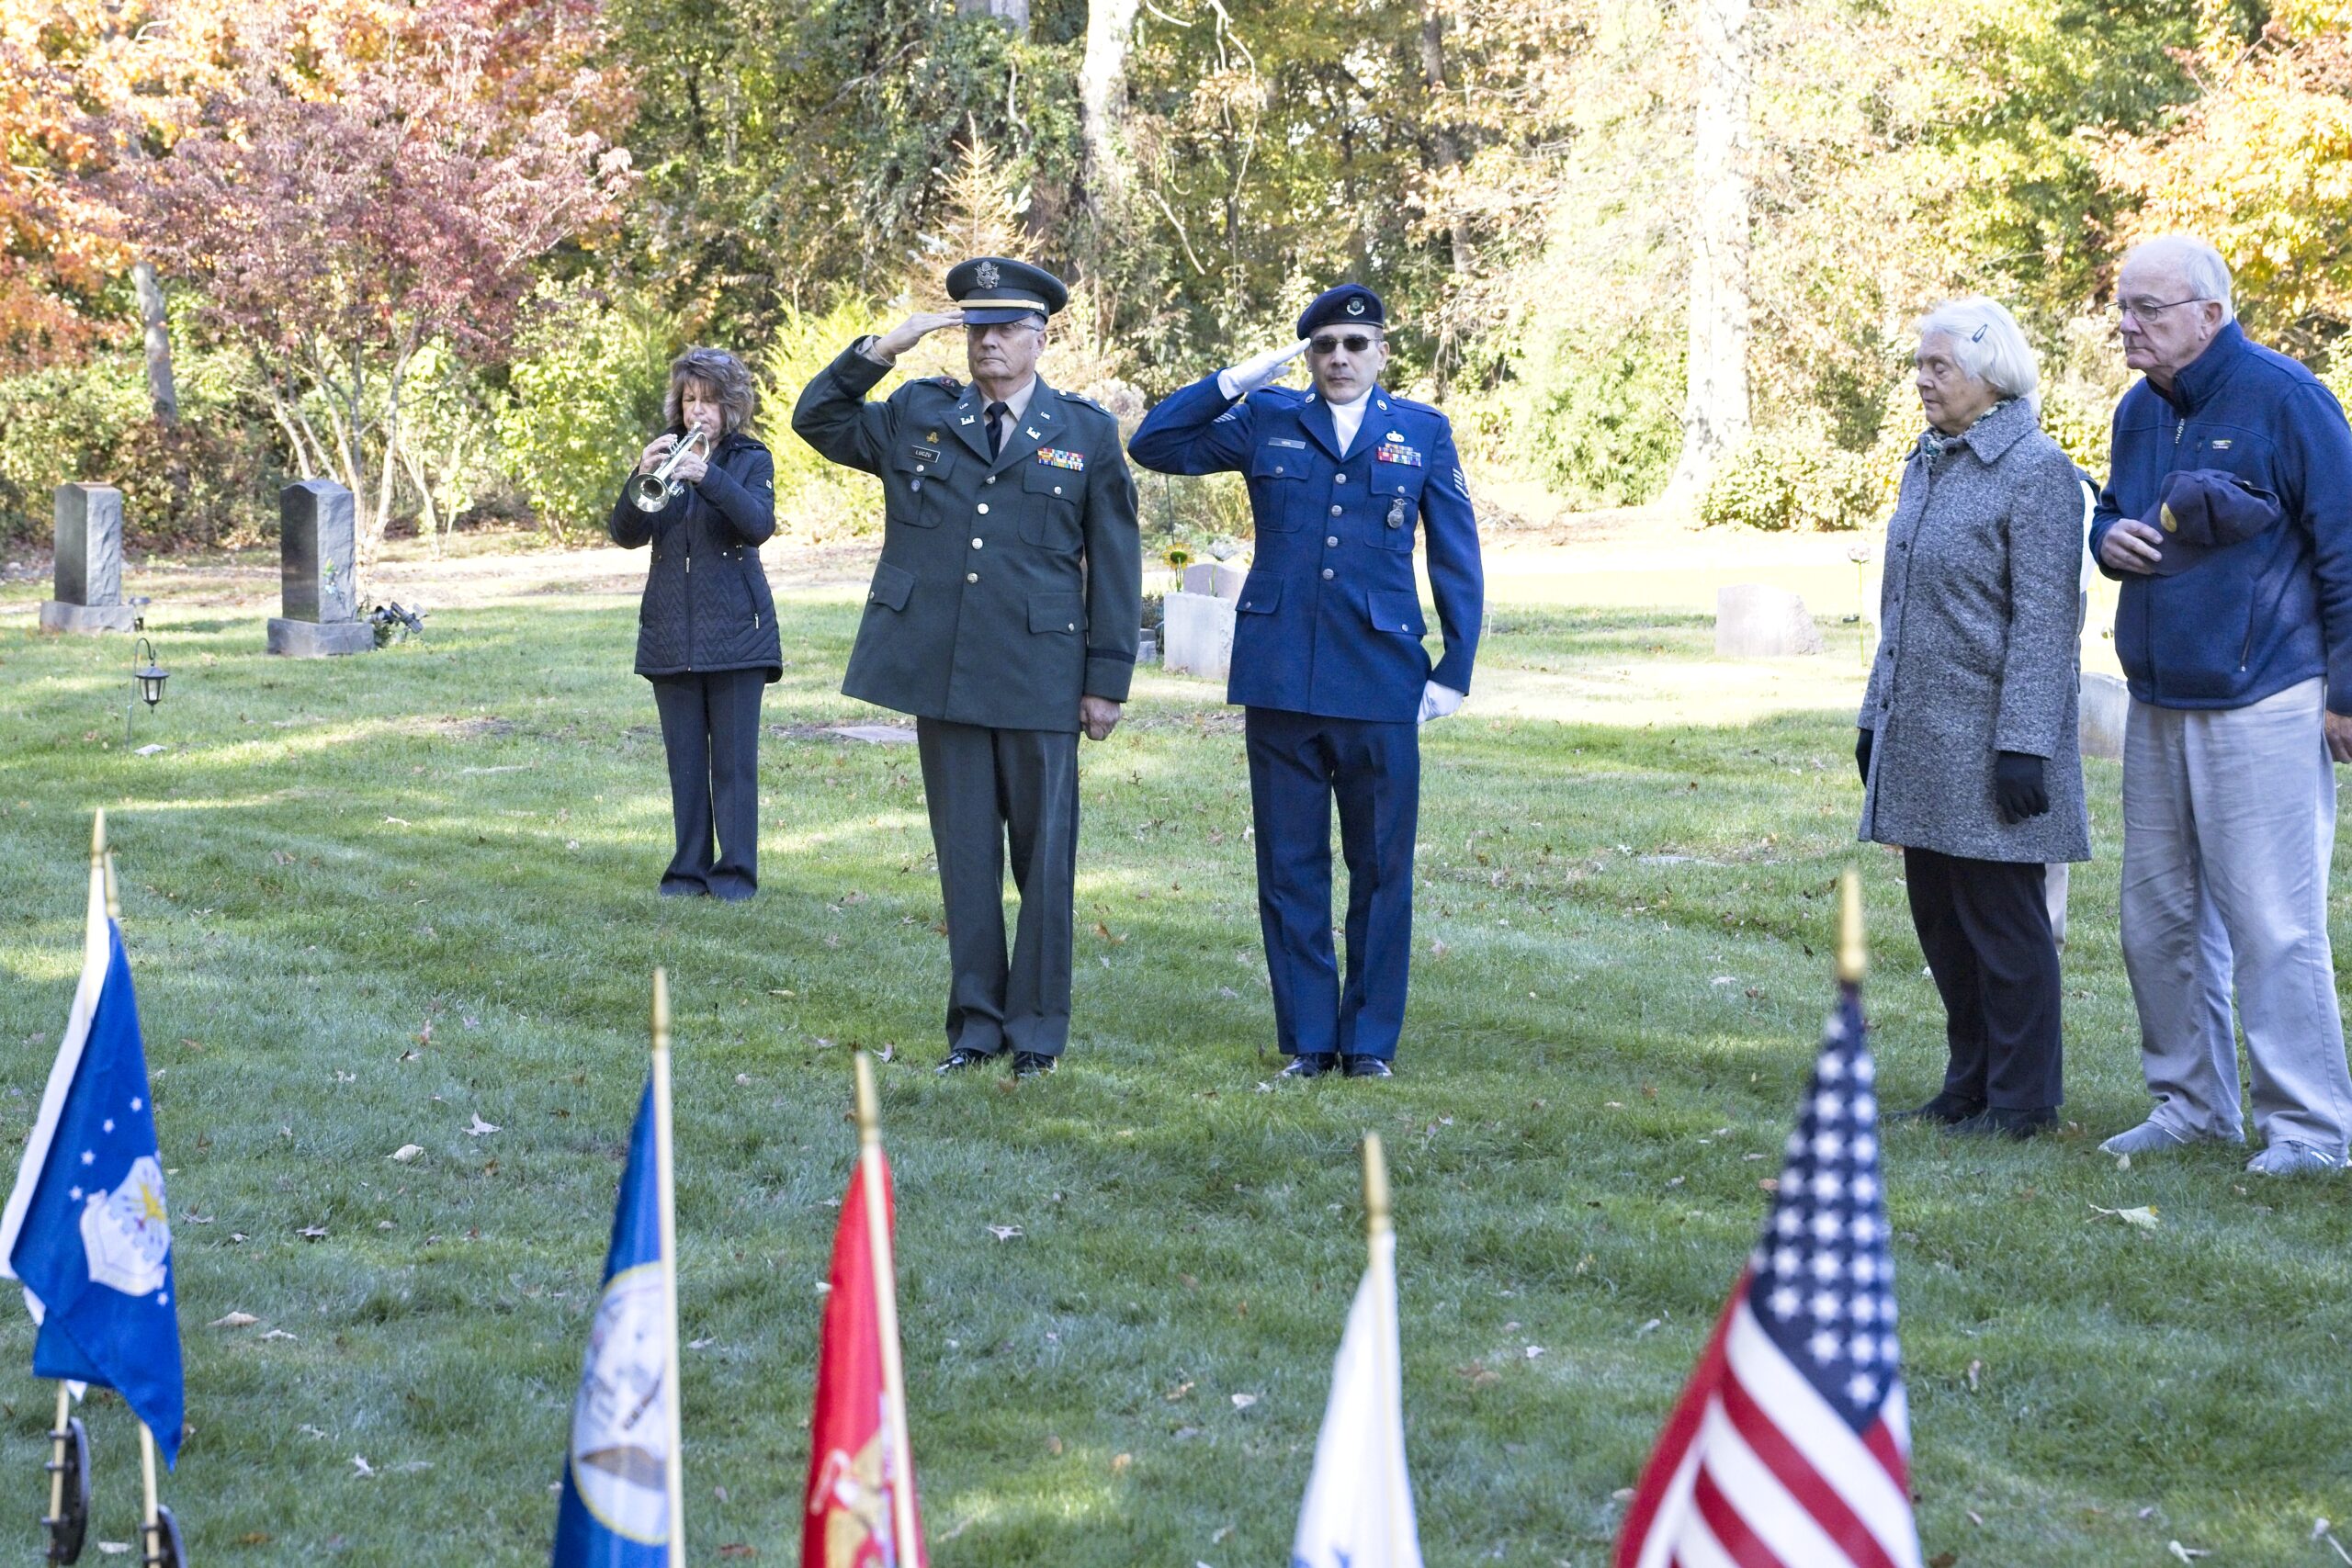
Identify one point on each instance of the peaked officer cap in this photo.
(993, 290)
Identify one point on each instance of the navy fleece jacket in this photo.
(2251, 620)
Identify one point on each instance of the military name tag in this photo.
(1054, 457)
(1396, 452)
(1286, 441)
(928, 454)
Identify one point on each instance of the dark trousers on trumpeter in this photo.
(711, 728)
(1985, 926)
(1300, 765)
(990, 791)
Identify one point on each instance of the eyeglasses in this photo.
(2146, 311)
(1354, 342)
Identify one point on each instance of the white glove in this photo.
(1438, 702)
(1246, 378)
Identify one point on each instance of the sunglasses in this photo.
(1354, 342)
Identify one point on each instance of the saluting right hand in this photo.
(913, 329)
(655, 450)
(1251, 373)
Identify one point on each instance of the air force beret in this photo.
(993, 290)
(1349, 305)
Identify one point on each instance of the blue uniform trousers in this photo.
(1299, 764)
(710, 730)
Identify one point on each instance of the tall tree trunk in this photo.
(1444, 144)
(1103, 104)
(161, 391)
(1714, 407)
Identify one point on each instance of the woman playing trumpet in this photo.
(703, 495)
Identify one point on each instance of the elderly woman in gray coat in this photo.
(1968, 750)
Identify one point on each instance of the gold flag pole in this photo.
(886, 1313)
(150, 1537)
(1377, 1217)
(1853, 955)
(1380, 1234)
(675, 1471)
(96, 941)
(58, 1439)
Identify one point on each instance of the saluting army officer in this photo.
(1003, 614)
(1327, 653)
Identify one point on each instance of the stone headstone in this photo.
(1218, 579)
(2105, 704)
(89, 563)
(1754, 620)
(1198, 629)
(318, 550)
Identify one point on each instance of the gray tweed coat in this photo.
(1978, 647)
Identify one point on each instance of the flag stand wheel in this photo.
(68, 1519)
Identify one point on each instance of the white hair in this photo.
(1986, 342)
(2200, 266)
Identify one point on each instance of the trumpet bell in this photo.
(651, 492)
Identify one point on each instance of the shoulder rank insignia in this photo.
(1394, 450)
(1055, 457)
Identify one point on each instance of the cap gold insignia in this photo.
(988, 276)
(932, 436)
(2172, 524)
(1355, 305)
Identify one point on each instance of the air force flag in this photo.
(616, 1509)
(87, 1230)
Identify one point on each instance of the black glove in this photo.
(2018, 785)
(1862, 742)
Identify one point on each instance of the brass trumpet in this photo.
(652, 491)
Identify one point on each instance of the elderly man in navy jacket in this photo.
(1344, 479)
(2228, 518)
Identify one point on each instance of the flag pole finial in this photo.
(1377, 1215)
(1853, 953)
(869, 1109)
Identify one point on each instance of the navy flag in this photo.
(617, 1492)
(87, 1230)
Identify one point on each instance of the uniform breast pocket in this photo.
(1278, 487)
(914, 485)
(1050, 498)
(1396, 506)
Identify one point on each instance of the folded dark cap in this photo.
(2200, 510)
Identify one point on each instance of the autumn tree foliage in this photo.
(356, 183)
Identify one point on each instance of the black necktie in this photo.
(998, 425)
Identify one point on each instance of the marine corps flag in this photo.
(861, 1510)
(621, 1482)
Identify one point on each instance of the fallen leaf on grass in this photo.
(739, 1549)
(406, 1153)
(255, 1538)
(1534, 1350)
(1122, 1463)
(1974, 1517)
(234, 1320)
(2186, 1553)
(480, 1127)
(1646, 1327)
(1244, 1401)
(700, 1344)
(114, 1548)
(2144, 1217)
(1477, 1374)
(275, 1333)
(1973, 1368)
(1944, 1560)
(1004, 1233)
(312, 1233)
(1179, 1391)
(361, 1465)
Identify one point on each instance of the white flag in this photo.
(1359, 1508)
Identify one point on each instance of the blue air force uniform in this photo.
(1329, 662)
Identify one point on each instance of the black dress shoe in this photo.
(960, 1059)
(2005, 1122)
(1366, 1067)
(1948, 1109)
(1033, 1064)
(1309, 1067)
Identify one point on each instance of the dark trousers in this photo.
(711, 728)
(1985, 925)
(988, 791)
(1299, 765)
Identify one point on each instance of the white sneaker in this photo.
(2150, 1137)
(2294, 1159)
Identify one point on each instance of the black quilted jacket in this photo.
(707, 605)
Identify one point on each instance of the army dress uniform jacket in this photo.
(1330, 620)
(1008, 587)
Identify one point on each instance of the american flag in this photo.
(1789, 1448)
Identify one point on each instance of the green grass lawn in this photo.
(370, 899)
